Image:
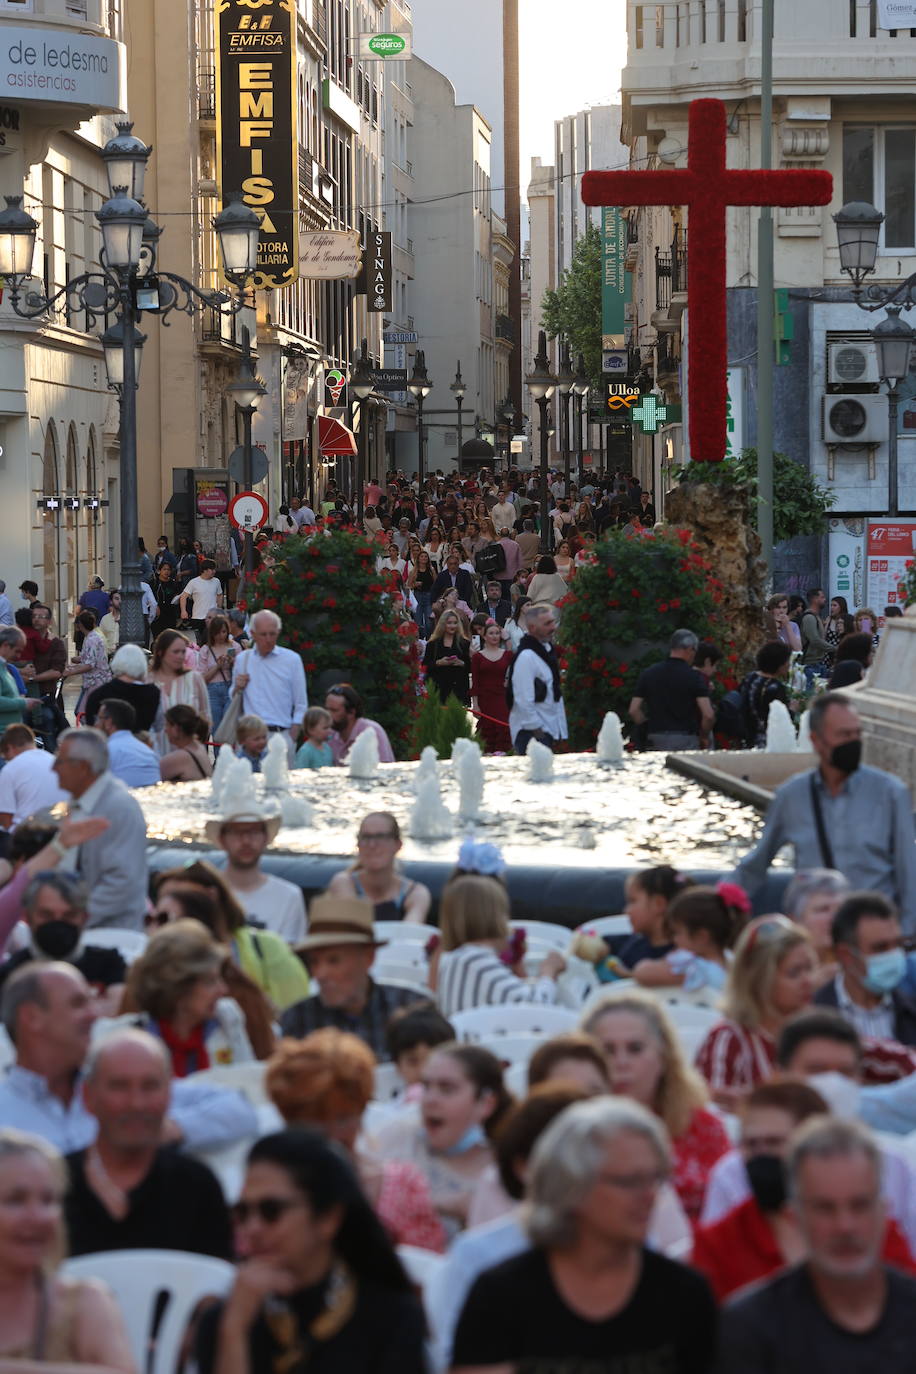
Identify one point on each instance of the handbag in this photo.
(225, 731)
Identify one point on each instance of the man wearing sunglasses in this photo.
(842, 815)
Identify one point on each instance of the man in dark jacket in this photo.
(453, 575)
(868, 941)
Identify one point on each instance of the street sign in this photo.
(248, 511)
(236, 464)
(390, 378)
(400, 336)
(380, 47)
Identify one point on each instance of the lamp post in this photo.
(858, 230)
(126, 285)
(458, 390)
(508, 413)
(419, 387)
(566, 380)
(247, 391)
(362, 384)
(541, 383)
(580, 391)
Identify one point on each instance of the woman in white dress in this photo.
(178, 685)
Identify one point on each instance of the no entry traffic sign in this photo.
(248, 511)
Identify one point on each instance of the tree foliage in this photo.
(620, 613)
(800, 503)
(574, 308)
(340, 615)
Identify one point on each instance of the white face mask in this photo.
(841, 1094)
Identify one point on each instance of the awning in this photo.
(334, 439)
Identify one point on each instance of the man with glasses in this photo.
(338, 952)
(345, 707)
(268, 901)
(872, 963)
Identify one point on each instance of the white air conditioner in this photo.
(855, 420)
(851, 362)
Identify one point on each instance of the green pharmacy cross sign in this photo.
(650, 415)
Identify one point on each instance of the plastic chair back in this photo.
(546, 932)
(130, 944)
(399, 931)
(246, 1078)
(481, 1024)
(158, 1292)
(606, 925)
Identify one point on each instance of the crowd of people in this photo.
(612, 1185)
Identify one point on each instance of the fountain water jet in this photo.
(781, 737)
(609, 748)
(364, 756)
(430, 818)
(467, 765)
(540, 761)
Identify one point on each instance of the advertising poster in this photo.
(891, 545)
(846, 542)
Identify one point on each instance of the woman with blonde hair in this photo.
(472, 969)
(447, 659)
(178, 988)
(325, 1082)
(645, 1062)
(48, 1322)
(772, 977)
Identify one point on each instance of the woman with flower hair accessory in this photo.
(704, 923)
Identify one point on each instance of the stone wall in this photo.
(718, 516)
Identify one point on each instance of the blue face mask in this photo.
(883, 972)
(473, 1136)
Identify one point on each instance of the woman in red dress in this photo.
(488, 689)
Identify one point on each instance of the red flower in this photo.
(676, 604)
(663, 606)
(330, 602)
(634, 591)
(616, 681)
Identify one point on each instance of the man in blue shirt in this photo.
(842, 815)
(129, 758)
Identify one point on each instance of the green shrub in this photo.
(440, 725)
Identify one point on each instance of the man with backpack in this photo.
(533, 693)
(814, 646)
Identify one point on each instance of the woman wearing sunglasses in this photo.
(773, 977)
(319, 1285)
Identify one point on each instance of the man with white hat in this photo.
(243, 833)
(338, 953)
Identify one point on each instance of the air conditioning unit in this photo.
(855, 420)
(851, 362)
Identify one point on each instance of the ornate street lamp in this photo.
(419, 387)
(362, 385)
(541, 384)
(458, 390)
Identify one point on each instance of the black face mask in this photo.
(847, 757)
(57, 939)
(767, 1177)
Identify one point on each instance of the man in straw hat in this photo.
(338, 953)
(243, 833)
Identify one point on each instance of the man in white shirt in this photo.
(48, 1013)
(28, 782)
(301, 512)
(128, 757)
(205, 594)
(268, 901)
(503, 513)
(537, 710)
(272, 679)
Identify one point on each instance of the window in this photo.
(879, 165)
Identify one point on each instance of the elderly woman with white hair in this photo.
(589, 1285)
(128, 683)
(811, 900)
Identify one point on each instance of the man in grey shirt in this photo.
(842, 815)
(842, 1310)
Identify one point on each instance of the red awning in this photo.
(334, 439)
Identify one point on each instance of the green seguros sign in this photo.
(380, 46)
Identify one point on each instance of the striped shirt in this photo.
(475, 976)
(732, 1056)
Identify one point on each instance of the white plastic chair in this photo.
(141, 1281)
(247, 1079)
(546, 932)
(687, 1015)
(482, 1024)
(399, 977)
(399, 931)
(130, 944)
(605, 925)
(388, 1083)
(691, 1038)
(515, 1077)
(516, 1049)
(405, 954)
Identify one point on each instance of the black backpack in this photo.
(732, 718)
(490, 560)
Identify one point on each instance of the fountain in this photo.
(275, 768)
(238, 786)
(224, 760)
(428, 767)
(364, 756)
(540, 761)
(467, 765)
(609, 748)
(430, 818)
(781, 738)
(804, 734)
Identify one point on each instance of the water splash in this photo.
(781, 737)
(540, 761)
(609, 748)
(430, 818)
(467, 765)
(364, 756)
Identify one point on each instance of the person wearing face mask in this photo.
(872, 965)
(842, 815)
(54, 908)
(761, 1234)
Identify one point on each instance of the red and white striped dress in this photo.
(733, 1056)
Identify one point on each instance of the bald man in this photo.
(128, 1190)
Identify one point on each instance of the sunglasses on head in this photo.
(156, 918)
(269, 1210)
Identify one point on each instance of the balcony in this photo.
(670, 285)
(505, 329)
(206, 93)
(631, 260)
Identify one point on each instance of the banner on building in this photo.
(897, 14)
(384, 47)
(735, 434)
(846, 552)
(615, 279)
(378, 273)
(256, 135)
(891, 545)
(330, 255)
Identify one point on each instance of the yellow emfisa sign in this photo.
(256, 133)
